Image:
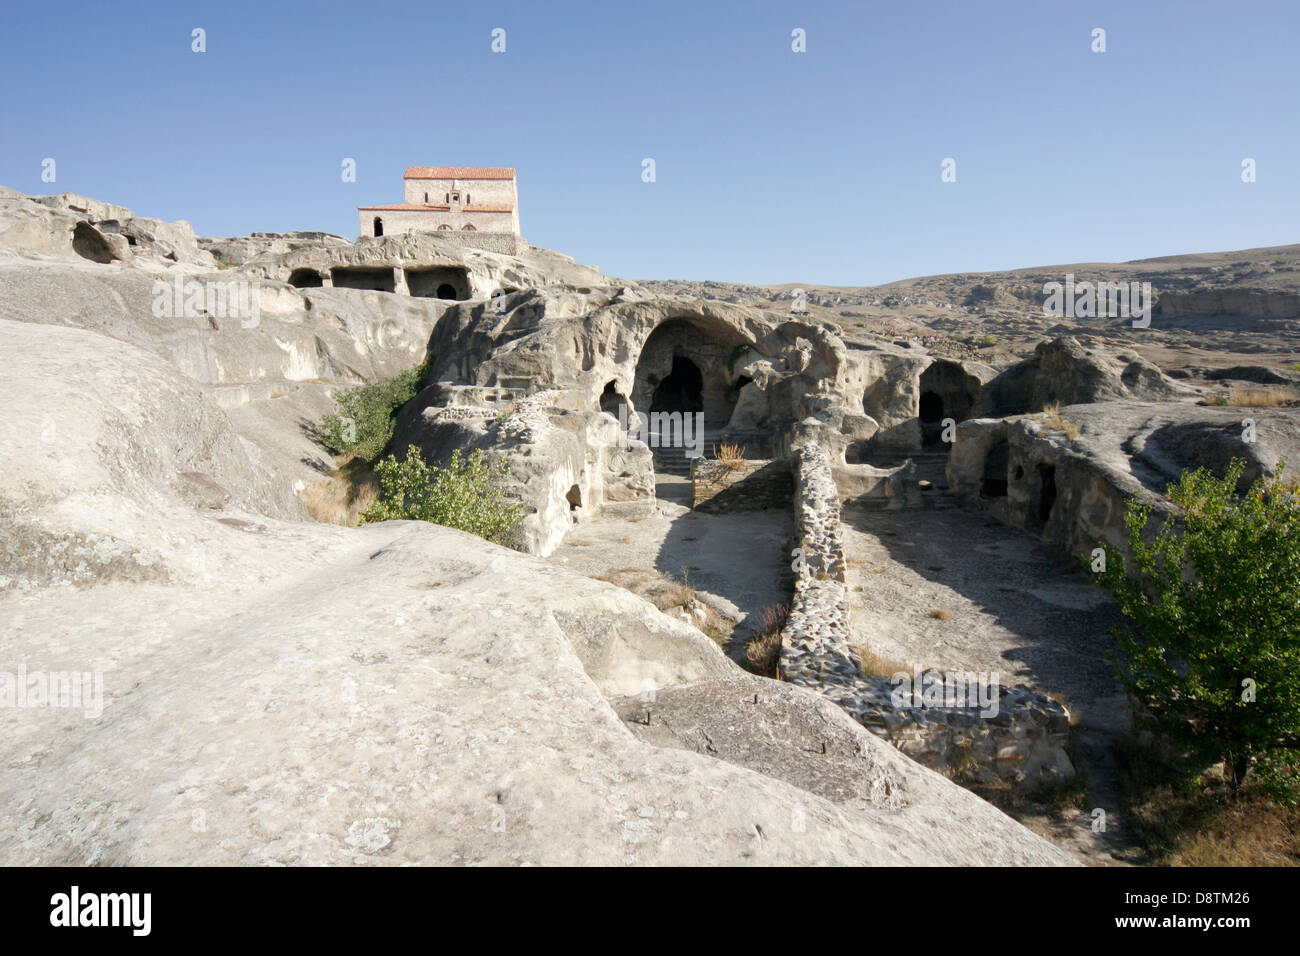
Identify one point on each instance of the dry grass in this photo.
(877, 665)
(1052, 418)
(1202, 823)
(343, 495)
(659, 589)
(677, 598)
(763, 650)
(733, 456)
(1262, 396)
(941, 614)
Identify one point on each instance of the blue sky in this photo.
(772, 166)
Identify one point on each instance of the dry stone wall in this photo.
(954, 723)
(717, 487)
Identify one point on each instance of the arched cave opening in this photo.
(684, 367)
(445, 291)
(994, 483)
(946, 391)
(306, 279)
(574, 498)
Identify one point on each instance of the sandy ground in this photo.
(732, 561)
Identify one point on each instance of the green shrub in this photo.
(461, 494)
(1213, 613)
(363, 421)
(736, 354)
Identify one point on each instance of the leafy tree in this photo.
(363, 422)
(461, 494)
(1212, 647)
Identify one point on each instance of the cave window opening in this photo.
(611, 399)
(574, 498)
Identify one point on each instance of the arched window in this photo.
(468, 228)
(379, 226)
(445, 226)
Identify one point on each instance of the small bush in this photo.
(461, 494)
(363, 421)
(733, 456)
(1212, 650)
(940, 614)
(989, 341)
(736, 354)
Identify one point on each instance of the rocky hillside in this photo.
(277, 691)
(1210, 308)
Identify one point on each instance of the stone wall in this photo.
(716, 487)
(491, 232)
(1020, 735)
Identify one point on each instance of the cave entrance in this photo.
(686, 367)
(1047, 491)
(306, 279)
(946, 391)
(682, 390)
(994, 483)
(438, 282)
(380, 280)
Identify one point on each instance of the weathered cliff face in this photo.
(1073, 492)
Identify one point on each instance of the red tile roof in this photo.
(458, 172)
(415, 207)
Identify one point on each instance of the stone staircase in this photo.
(671, 461)
(931, 466)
